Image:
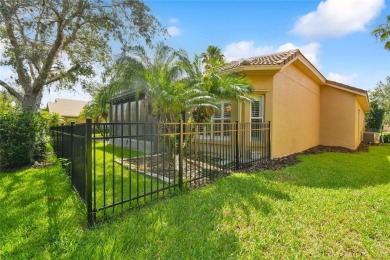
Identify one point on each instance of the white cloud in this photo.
(173, 20)
(346, 79)
(173, 31)
(246, 49)
(334, 18)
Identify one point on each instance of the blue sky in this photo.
(335, 35)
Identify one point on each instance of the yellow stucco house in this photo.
(305, 109)
(68, 109)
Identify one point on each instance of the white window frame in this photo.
(223, 119)
(261, 100)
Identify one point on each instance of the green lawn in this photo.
(119, 182)
(328, 206)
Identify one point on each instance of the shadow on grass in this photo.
(34, 204)
(338, 170)
(196, 224)
(54, 203)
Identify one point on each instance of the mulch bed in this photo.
(164, 168)
(285, 161)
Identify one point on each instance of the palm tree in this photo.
(173, 84)
(157, 76)
(99, 106)
(213, 57)
(207, 86)
(199, 97)
(383, 33)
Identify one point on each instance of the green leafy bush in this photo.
(22, 139)
(386, 138)
(374, 118)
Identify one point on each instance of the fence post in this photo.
(181, 155)
(57, 127)
(62, 140)
(88, 169)
(71, 151)
(269, 140)
(236, 149)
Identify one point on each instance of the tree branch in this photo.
(23, 79)
(25, 41)
(59, 43)
(77, 14)
(12, 91)
(72, 37)
(62, 75)
(48, 63)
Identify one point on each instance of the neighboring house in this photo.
(68, 109)
(304, 108)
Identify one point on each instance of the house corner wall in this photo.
(340, 118)
(360, 124)
(296, 112)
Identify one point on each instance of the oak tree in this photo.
(48, 42)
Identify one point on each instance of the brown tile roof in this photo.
(362, 91)
(279, 58)
(66, 107)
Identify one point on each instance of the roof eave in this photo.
(357, 91)
(364, 101)
(72, 116)
(306, 66)
(361, 95)
(255, 69)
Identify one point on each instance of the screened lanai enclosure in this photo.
(134, 126)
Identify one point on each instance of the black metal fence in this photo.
(115, 166)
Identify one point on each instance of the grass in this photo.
(116, 151)
(115, 183)
(328, 206)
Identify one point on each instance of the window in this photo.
(257, 116)
(222, 119)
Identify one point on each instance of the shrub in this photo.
(374, 118)
(386, 138)
(22, 139)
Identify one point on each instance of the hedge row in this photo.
(22, 139)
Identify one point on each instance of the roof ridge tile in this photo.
(277, 58)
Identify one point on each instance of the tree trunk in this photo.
(105, 116)
(32, 101)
